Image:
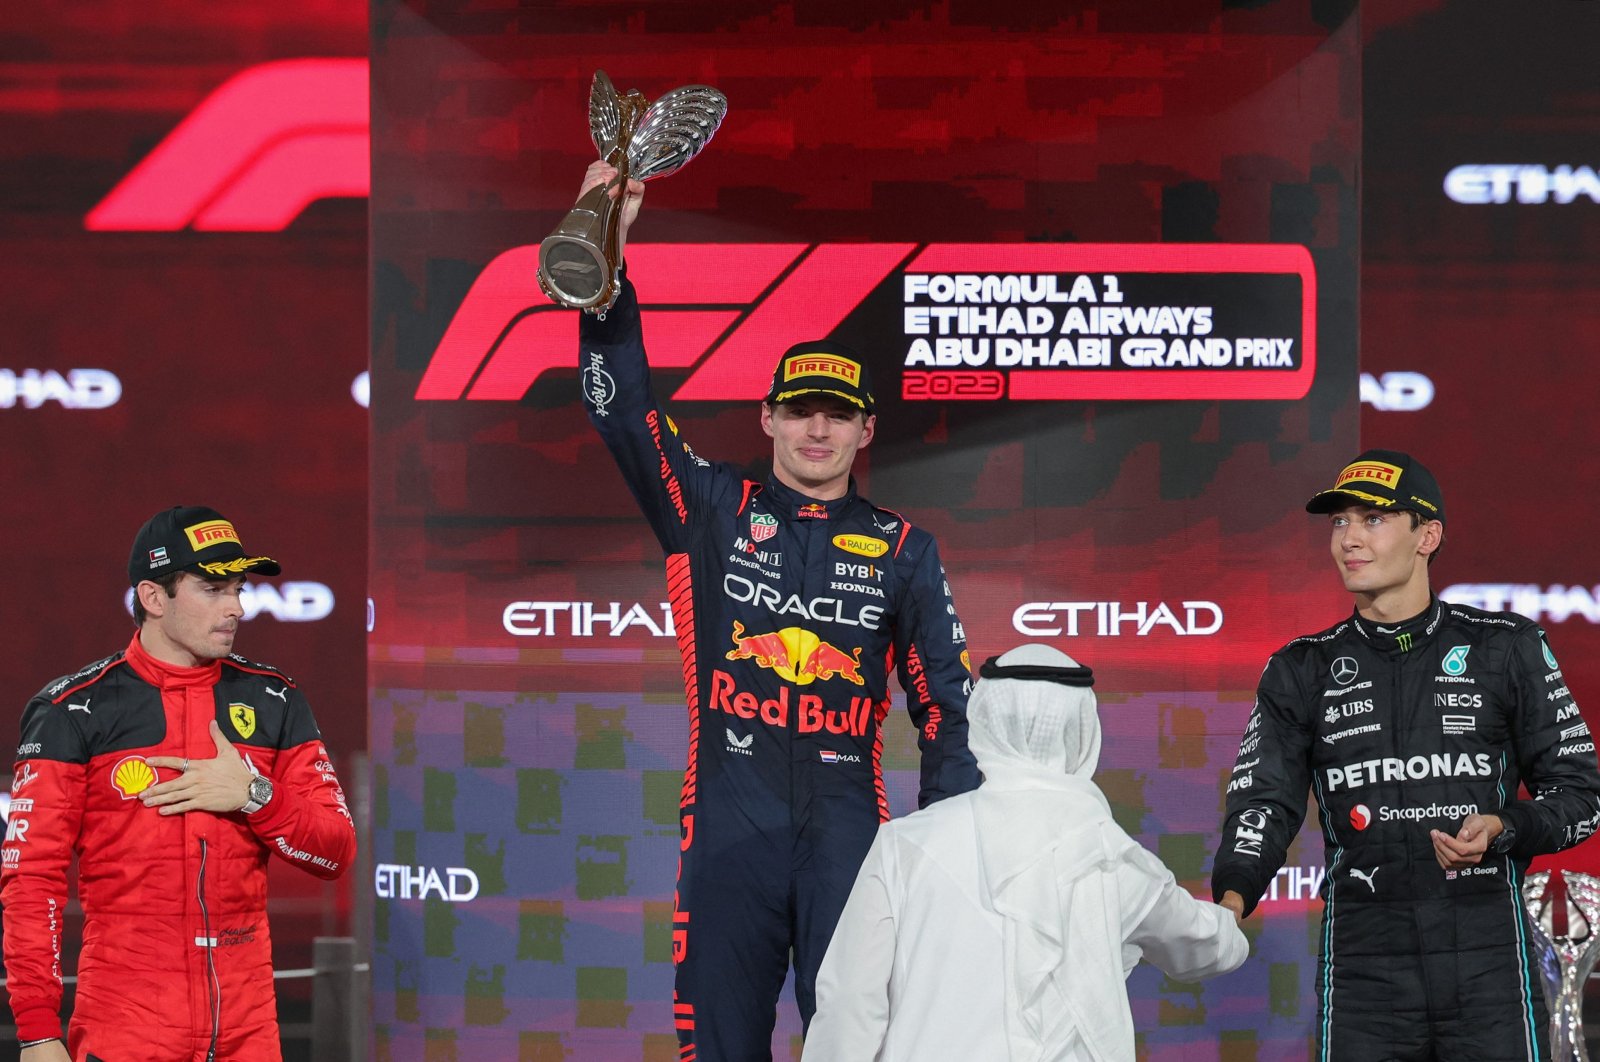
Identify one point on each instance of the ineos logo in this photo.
(1344, 670)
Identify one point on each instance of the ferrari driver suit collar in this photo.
(1405, 636)
(165, 676)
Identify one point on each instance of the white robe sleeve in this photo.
(853, 983)
(1187, 938)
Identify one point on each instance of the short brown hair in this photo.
(168, 583)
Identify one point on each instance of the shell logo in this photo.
(1360, 816)
(132, 776)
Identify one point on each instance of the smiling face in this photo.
(1382, 559)
(196, 625)
(814, 442)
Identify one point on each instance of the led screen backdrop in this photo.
(184, 324)
(1481, 304)
(1103, 259)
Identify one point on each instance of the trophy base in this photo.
(574, 272)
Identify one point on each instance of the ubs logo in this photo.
(1344, 670)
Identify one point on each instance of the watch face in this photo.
(260, 790)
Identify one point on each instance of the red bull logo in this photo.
(813, 512)
(811, 716)
(796, 654)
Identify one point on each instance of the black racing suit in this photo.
(1400, 731)
(790, 615)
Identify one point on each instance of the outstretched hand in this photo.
(1235, 903)
(601, 172)
(1466, 848)
(219, 784)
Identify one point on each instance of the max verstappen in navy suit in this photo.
(793, 598)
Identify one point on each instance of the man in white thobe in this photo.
(1000, 925)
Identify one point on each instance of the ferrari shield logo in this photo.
(243, 718)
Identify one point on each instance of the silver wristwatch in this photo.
(260, 795)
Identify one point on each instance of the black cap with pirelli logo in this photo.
(192, 538)
(1383, 479)
(822, 366)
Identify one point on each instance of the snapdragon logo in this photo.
(1480, 184)
(292, 602)
(74, 389)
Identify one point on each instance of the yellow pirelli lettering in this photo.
(210, 533)
(823, 365)
(1379, 472)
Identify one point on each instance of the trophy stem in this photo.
(580, 263)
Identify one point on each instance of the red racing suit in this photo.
(176, 960)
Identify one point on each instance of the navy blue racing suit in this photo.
(790, 615)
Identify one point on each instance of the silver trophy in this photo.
(1565, 961)
(580, 261)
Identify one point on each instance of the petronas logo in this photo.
(1455, 661)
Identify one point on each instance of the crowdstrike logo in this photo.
(1480, 184)
(74, 389)
(268, 143)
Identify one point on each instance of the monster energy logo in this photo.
(1404, 640)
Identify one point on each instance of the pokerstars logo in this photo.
(1361, 816)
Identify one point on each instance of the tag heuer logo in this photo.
(763, 526)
